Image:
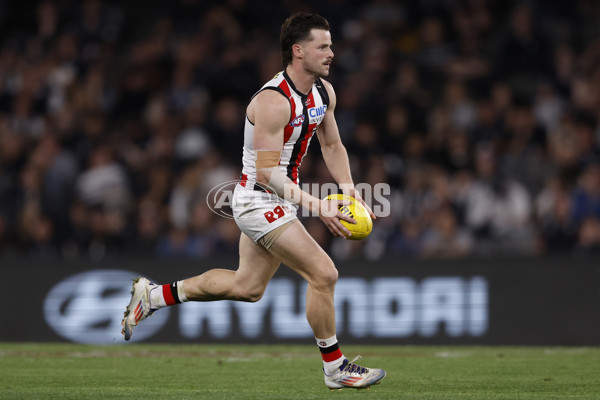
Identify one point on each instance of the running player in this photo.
(280, 122)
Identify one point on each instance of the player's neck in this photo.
(302, 80)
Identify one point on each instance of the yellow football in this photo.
(355, 210)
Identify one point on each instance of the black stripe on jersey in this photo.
(293, 87)
(275, 88)
(298, 144)
(322, 91)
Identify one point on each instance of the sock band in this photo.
(174, 292)
(327, 342)
(170, 294)
(330, 349)
(331, 353)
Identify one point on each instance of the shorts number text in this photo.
(274, 215)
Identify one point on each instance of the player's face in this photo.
(317, 53)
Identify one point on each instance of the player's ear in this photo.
(298, 51)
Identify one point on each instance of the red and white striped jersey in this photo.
(307, 113)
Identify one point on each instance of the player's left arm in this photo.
(334, 152)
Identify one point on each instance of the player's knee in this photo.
(331, 276)
(254, 296)
(327, 275)
(251, 295)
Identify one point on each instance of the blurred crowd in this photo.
(117, 118)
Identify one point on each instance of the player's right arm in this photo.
(270, 112)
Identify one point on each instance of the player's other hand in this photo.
(356, 194)
(331, 216)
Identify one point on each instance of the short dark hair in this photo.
(295, 29)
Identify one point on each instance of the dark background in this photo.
(116, 119)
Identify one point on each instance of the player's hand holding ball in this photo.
(353, 208)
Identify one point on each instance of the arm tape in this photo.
(277, 180)
(267, 161)
(267, 158)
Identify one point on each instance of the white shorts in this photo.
(258, 213)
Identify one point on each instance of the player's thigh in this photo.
(299, 251)
(256, 267)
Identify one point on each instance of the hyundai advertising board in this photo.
(517, 302)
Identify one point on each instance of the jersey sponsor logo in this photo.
(299, 120)
(317, 111)
(317, 114)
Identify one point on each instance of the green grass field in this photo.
(66, 371)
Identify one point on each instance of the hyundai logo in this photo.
(88, 308)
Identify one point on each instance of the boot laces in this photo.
(352, 368)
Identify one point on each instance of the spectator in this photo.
(586, 197)
(589, 237)
(498, 209)
(558, 228)
(110, 136)
(407, 240)
(445, 238)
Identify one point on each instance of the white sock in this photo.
(333, 366)
(167, 295)
(157, 300)
(331, 353)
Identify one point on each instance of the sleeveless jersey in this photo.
(307, 113)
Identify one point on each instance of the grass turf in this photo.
(67, 371)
